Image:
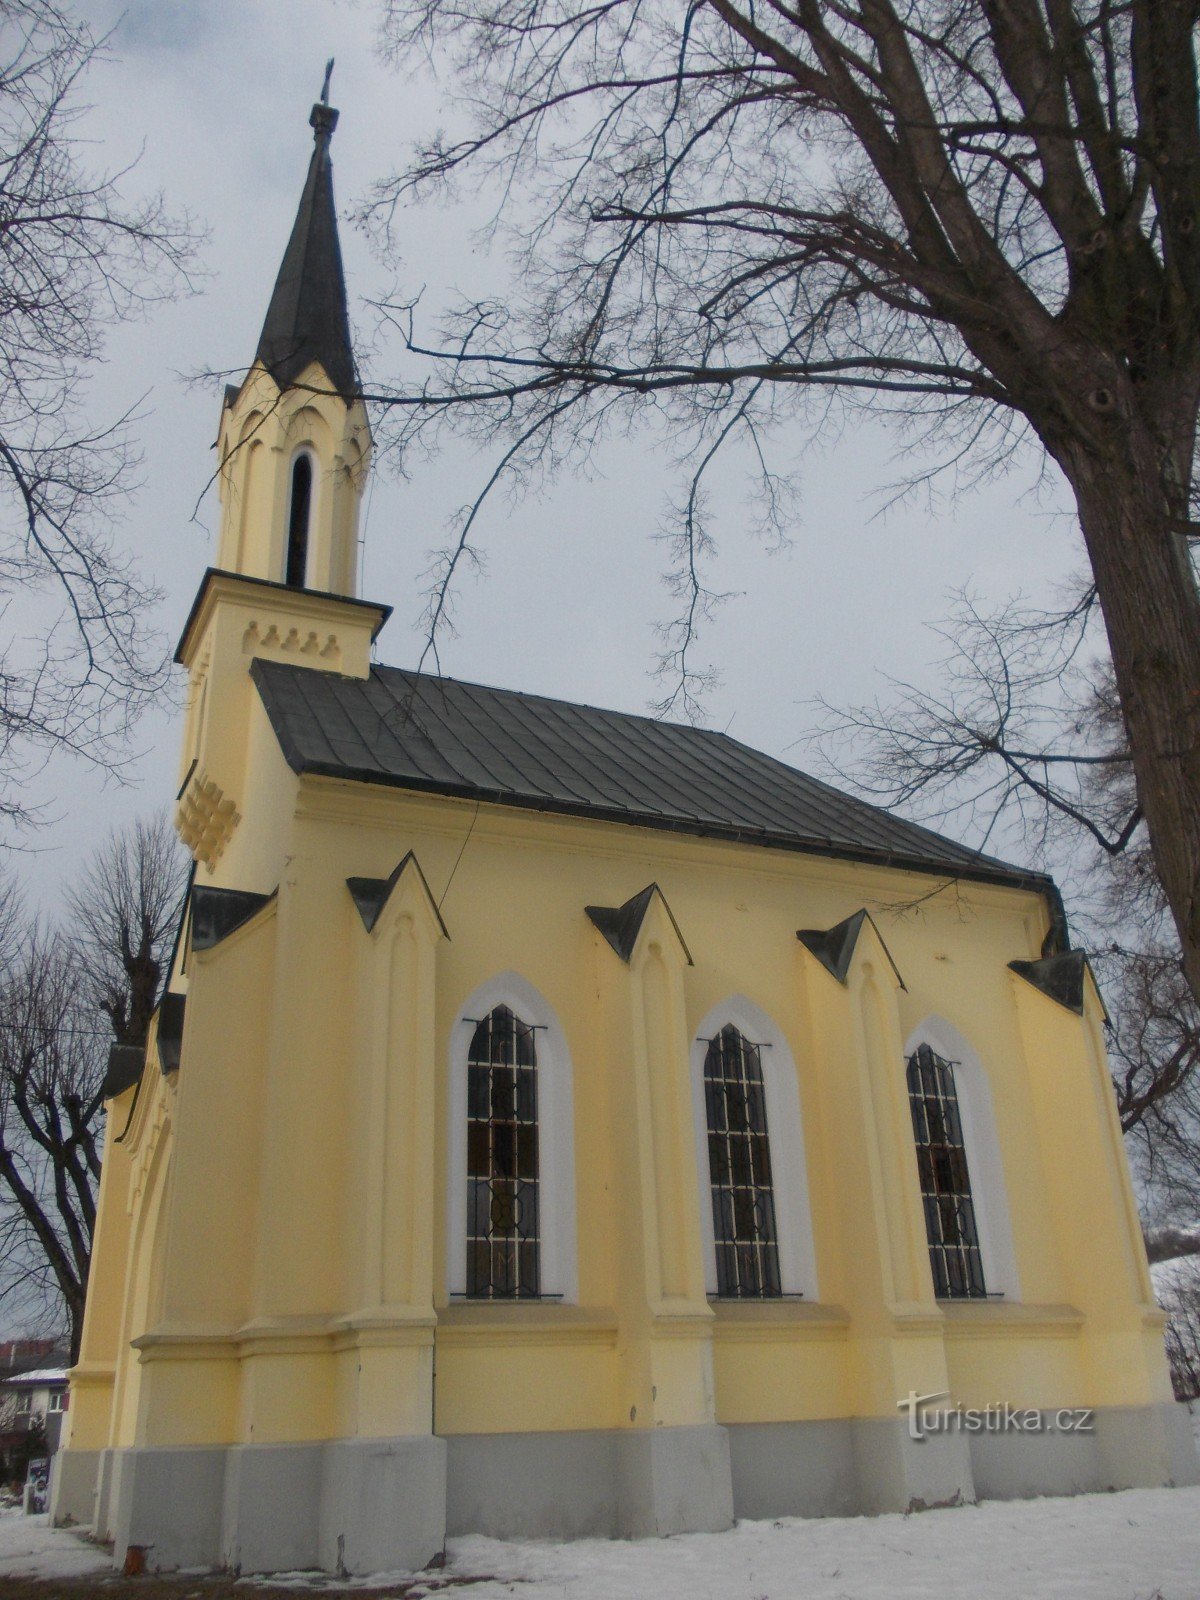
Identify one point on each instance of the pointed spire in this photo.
(307, 319)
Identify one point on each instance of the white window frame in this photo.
(54, 1402)
(558, 1273)
(985, 1165)
(785, 1133)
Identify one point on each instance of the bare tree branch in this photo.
(74, 259)
(977, 219)
(66, 994)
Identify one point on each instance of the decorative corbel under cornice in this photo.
(370, 895)
(216, 913)
(621, 925)
(834, 947)
(1060, 978)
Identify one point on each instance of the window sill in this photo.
(537, 1322)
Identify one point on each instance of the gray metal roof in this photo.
(413, 731)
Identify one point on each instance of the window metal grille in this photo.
(945, 1182)
(739, 1165)
(502, 1159)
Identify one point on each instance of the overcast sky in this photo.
(216, 96)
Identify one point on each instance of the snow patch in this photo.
(31, 1548)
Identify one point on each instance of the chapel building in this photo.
(560, 1122)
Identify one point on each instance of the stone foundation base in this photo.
(351, 1507)
(383, 1505)
(870, 1465)
(74, 1475)
(673, 1480)
(358, 1506)
(599, 1484)
(1141, 1446)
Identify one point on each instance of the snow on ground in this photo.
(1143, 1544)
(31, 1548)
(1129, 1546)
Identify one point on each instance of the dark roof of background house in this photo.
(412, 731)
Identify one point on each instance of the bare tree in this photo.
(52, 1062)
(976, 216)
(78, 659)
(67, 993)
(122, 916)
(1179, 1295)
(1023, 740)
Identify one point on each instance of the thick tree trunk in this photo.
(1151, 608)
(75, 1309)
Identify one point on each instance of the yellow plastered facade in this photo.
(296, 1257)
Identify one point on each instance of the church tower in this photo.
(295, 442)
(294, 449)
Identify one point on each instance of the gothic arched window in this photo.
(950, 1222)
(503, 1231)
(739, 1166)
(299, 512)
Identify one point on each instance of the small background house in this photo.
(32, 1407)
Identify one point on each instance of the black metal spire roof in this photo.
(307, 320)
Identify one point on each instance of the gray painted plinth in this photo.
(532, 1485)
(74, 1476)
(1182, 1452)
(1141, 1446)
(597, 1483)
(349, 1506)
(1126, 1447)
(673, 1480)
(899, 1473)
(102, 1527)
(840, 1468)
(168, 1502)
(270, 1507)
(794, 1469)
(360, 1506)
(383, 1505)
(1021, 1466)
